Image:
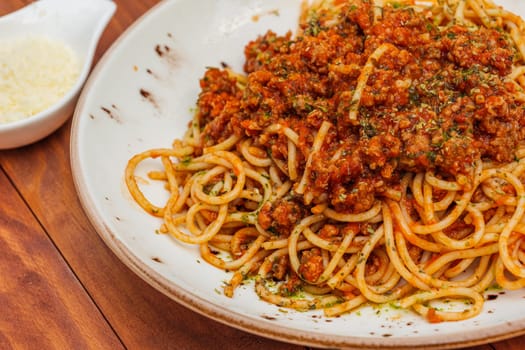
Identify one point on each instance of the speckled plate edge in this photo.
(204, 307)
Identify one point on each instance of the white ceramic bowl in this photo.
(164, 54)
(77, 24)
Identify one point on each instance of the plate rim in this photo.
(208, 309)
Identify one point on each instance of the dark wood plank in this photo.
(510, 344)
(43, 303)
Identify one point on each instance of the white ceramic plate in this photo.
(139, 97)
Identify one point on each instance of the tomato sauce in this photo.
(438, 101)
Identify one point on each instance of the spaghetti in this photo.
(374, 157)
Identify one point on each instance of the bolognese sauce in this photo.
(437, 101)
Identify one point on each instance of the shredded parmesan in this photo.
(35, 72)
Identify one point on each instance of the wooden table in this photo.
(61, 287)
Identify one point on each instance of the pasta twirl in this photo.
(376, 156)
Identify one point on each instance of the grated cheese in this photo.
(35, 72)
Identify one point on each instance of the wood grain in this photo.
(60, 286)
(43, 303)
